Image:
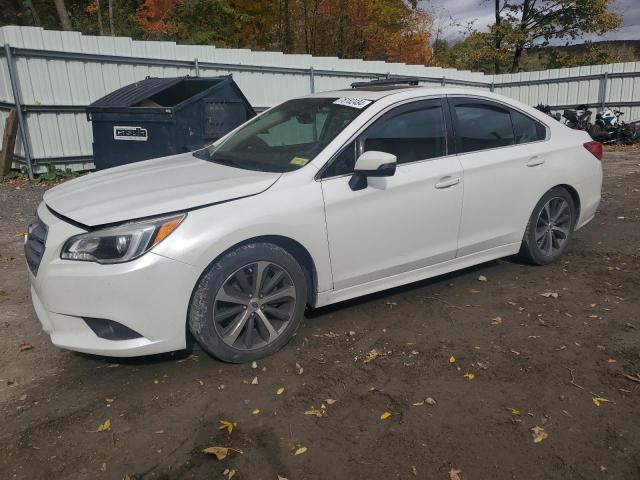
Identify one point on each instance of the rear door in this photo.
(502, 152)
(398, 223)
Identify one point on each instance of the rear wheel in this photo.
(249, 303)
(550, 228)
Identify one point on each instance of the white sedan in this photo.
(318, 200)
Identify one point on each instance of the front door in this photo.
(399, 223)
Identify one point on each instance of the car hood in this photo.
(153, 187)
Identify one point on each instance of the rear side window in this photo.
(526, 129)
(411, 134)
(481, 126)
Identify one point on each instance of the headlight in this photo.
(121, 243)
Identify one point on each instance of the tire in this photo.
(535, 244)
(236, 330)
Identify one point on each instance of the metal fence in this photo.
(52, 76)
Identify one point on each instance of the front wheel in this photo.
(550, 228)
(249, 303)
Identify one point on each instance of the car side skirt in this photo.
(334, 296)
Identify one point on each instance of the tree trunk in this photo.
(517, 54)
(498, 38)
(34, 14)
(111, 27)
(288, 33)
(99, 13)
(63, 15)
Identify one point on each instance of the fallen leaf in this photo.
(220, 452)
(632, 378)
(227, 425)
(255, 412)
(371, 355)
(538, 434)
(25, 346)
(482, 278)
(254, 381)
(280, 391)
(299, 369)
(385, 415)
(469, 376)
(330, 401)
(496, 321)
(103, 468)
(550, 294)
(452, 359)
(514, 411)
(598, 400)
(418, 404)
(104, 426)
(454, 474)
(430, 401)
(414, 470)
(300, 451)
(314, 412)
(113, 365)
(232, 473)
(281, 478)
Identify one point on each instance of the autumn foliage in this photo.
(157, 16)
(391, 30)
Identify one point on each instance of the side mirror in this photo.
(372, 164)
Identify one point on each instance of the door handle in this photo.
(535, 161)
(446, 182)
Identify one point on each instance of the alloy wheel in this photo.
(553, 226)
(254, 305)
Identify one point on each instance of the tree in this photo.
(111, 27)
(63, 15)
(527, 23)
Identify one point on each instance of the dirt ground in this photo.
(496, 357)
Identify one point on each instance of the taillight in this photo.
(595, 148)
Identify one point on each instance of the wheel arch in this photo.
(574, 195)
(295, 248)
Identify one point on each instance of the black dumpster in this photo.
(164, 116)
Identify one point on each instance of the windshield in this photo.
(286, 137)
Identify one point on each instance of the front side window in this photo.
(286, 137)
(415, 133)
(481, 126)
(411, 132)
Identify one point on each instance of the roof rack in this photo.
(387, 80)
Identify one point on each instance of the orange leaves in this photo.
(154, 16)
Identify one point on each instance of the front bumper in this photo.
(149, 295)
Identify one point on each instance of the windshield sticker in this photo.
(299, 161)
(352, 102)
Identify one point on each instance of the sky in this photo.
(463, 11)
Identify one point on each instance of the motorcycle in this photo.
(579, 119)
(547, 110)
(610, 129)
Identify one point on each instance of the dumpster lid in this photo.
(137, 92)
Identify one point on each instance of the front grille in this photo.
(34, 244)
